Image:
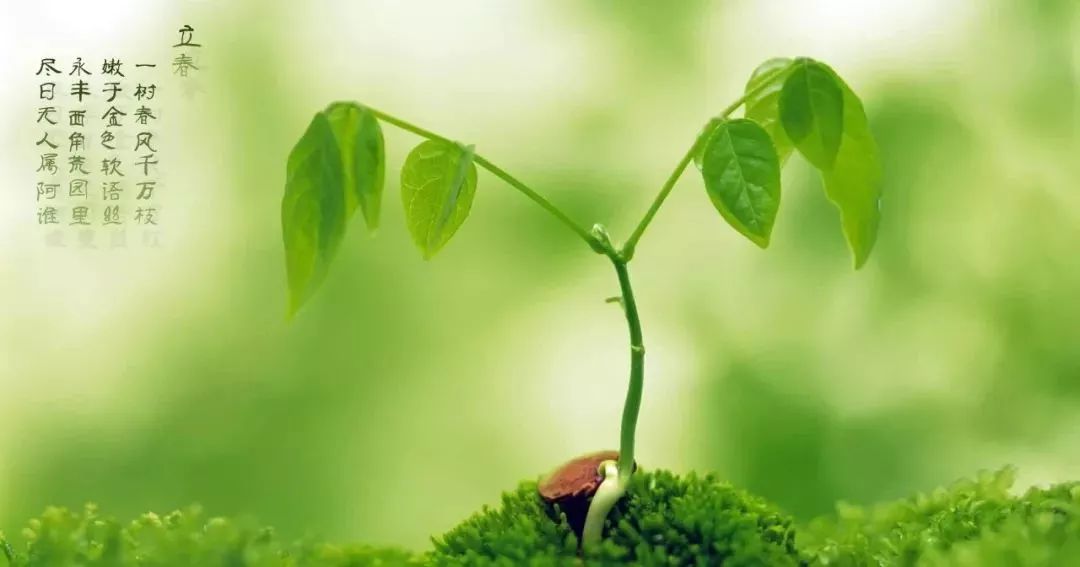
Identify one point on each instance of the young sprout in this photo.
(338, 166)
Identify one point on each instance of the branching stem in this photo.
(616, 475)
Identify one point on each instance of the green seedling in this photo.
(802, 105)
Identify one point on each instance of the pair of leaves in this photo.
(338, 166)
(803, 105)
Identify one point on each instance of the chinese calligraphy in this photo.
(126, 148)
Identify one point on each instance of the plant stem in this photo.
(617, 475)
(407, 126)
(536, 197)
(627, 251)
(495, 170)
(632, 406)
(631, 243)
(607, 495)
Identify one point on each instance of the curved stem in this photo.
(607, 495)
(628, 248)
(632, 406)
(617, 475)
(495, 170)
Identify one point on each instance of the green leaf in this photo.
(812, 111)
(742, 177)
(854, 182)
(438, 182)
(762, 106)
(763, 102)
(312, 210)
(360, 139)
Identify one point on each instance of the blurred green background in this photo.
(408, 394)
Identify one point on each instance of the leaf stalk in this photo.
(496, 171)
(631, 243)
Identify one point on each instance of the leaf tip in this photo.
(859, 258)
(761, 240)
(291, 311)
(372, 223)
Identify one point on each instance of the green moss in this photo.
(64, 538)
(974, 522)
(663, 520)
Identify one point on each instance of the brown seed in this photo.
(578, 478)
(570, 487)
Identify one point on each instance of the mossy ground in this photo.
(972, 523)
(63, 538)
(664, 520)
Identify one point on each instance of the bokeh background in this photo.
(408, 394)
